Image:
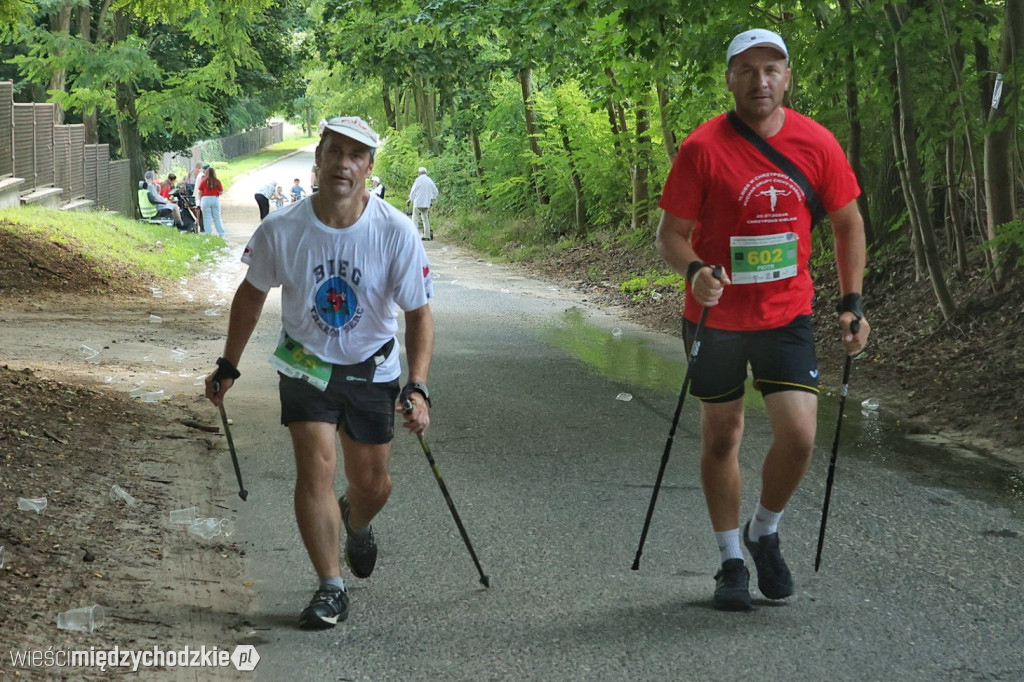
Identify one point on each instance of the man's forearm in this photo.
(419, 342)
(246, 308)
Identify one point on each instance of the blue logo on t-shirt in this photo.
(336, 302)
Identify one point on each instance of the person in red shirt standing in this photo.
(725, 203)
(210, 189)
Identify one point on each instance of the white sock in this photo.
(729, 544)
(332, 583)
(765, 522)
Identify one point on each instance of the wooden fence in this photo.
(49, 164)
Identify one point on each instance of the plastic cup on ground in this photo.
(1, 556)
(207, 528)
(84, 619)
(185, 516)
(119, 493)
(36, 504)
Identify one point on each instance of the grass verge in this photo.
(109, 238)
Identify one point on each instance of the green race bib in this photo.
(292, 360)
(763, 259)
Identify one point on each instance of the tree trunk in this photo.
(577, 181)
(477, 154)
(853, 148)
(957, 232)
(127, 116)
(956, 61)
(916, 198)
(667, 134)
(640, 168)
(999, 143)
(526, 85)
(389, 109)
(60, 22)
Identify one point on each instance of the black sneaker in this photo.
(360, 553)
(773, 576)
(327, 609)
(732, 591)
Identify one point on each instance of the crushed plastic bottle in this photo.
(624, 397)
(36, 504)
(870, 404)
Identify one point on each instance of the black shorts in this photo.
(367, 411)
(782, 359)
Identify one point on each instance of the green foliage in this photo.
(651, 284)
(107, 239)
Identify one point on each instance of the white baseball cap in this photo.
(421, 169)
(355, 128)
(375, 178)
(756, 37)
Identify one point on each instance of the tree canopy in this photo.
(567, 115)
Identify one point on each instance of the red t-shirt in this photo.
(210, 189)
(728, 186)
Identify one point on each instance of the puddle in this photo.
(624, 359)
(867, 435)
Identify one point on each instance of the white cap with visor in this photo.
(757, 37)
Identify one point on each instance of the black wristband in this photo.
(414, 387)
(852, 303)
(692, 269)
(225, 370)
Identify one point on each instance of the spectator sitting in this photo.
(167, 185)
(164, 206)
(297, 191)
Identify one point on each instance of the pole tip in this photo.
(485, 581)
(243, 494)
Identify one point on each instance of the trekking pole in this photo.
(854, 328)
(242, 492)
(484, 580)
(694, 350)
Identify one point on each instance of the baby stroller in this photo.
(189, 211)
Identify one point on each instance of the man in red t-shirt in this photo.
(725, 203)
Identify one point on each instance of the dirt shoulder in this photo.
(70, 430)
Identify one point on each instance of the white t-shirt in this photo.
(341, 290)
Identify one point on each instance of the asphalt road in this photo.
(552, 475)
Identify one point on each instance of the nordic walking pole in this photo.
(484, 580)
(854, 328)
(242, 492)
(694, 349)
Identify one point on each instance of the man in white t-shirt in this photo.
(422, 194)
(346, 262)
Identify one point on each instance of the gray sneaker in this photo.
(325, 610)
(773, 576)
(360, 553)
(732, 591)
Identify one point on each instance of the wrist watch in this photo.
(416, 387)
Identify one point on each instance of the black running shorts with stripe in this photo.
(781, 359)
